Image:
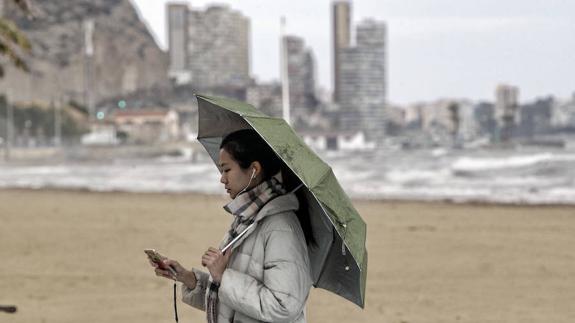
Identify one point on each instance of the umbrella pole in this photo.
(231, 243)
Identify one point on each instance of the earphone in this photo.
(251, 179)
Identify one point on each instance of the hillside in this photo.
(126, 57)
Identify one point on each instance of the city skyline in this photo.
(445, 49)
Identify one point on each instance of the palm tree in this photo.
(12, 42)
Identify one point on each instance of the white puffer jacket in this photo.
(268, 277)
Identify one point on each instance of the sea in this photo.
(518, 176)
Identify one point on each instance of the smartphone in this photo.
(155, 257)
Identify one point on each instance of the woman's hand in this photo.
(179, 273)
(216, 262)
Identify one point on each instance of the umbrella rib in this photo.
(328, 169)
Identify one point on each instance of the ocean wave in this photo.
(563, 196)
(542, 178)
(474, 164)
(404, 176)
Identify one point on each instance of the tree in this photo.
(13, 43)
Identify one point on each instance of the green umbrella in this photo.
(336, 242)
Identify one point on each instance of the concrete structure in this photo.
(440, 119)
(101, 134)
(266, 97)
(363, 82)
(563, 114)
(414, 116)
(177, 20)
(209, 48)
(301, 76)
(484, 116)
(342, 141)
(341, 28)
(395, 117)
(147, 126)
(445, 121)
(506, 110)
(535, 118)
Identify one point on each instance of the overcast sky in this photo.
(437, 48)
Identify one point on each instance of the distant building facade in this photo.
(363, 81)
(341, 28)
(301, 75)
(177, 20)
(484, 116)
(563, 116)
(446, 120)
(535, 118)
(266, 97)
(209, 48)
(349, 141)
(148, 126)
(506, 110)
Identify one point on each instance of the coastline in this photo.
(438, 201)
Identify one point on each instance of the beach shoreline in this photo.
(439, 201)
(76, 255)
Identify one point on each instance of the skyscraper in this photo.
(363, 82)
(341, 27)
(213, 48)
(301, 75)
(506, 109)
(177, 18)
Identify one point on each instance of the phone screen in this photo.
(155, 257)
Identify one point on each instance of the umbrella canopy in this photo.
(336, 243)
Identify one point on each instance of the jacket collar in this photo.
(280, 204)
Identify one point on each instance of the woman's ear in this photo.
(256, 168)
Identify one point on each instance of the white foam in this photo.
(418, 176)
(470, 164)
(403, 176)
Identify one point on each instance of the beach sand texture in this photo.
(78, 257)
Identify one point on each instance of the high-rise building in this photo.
(363, 82)
(301, 75)
(506, 109)
(341, 27)
(267, 97)
(213, 48)
(177, 18)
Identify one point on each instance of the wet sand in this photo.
(77, 257)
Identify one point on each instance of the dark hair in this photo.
(246, 146)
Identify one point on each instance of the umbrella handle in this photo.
(297, 188)
(231, 243)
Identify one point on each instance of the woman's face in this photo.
(233, 176)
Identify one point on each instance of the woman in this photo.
(265, 275)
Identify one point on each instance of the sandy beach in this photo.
(70, 256)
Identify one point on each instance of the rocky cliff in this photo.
(125, 57)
